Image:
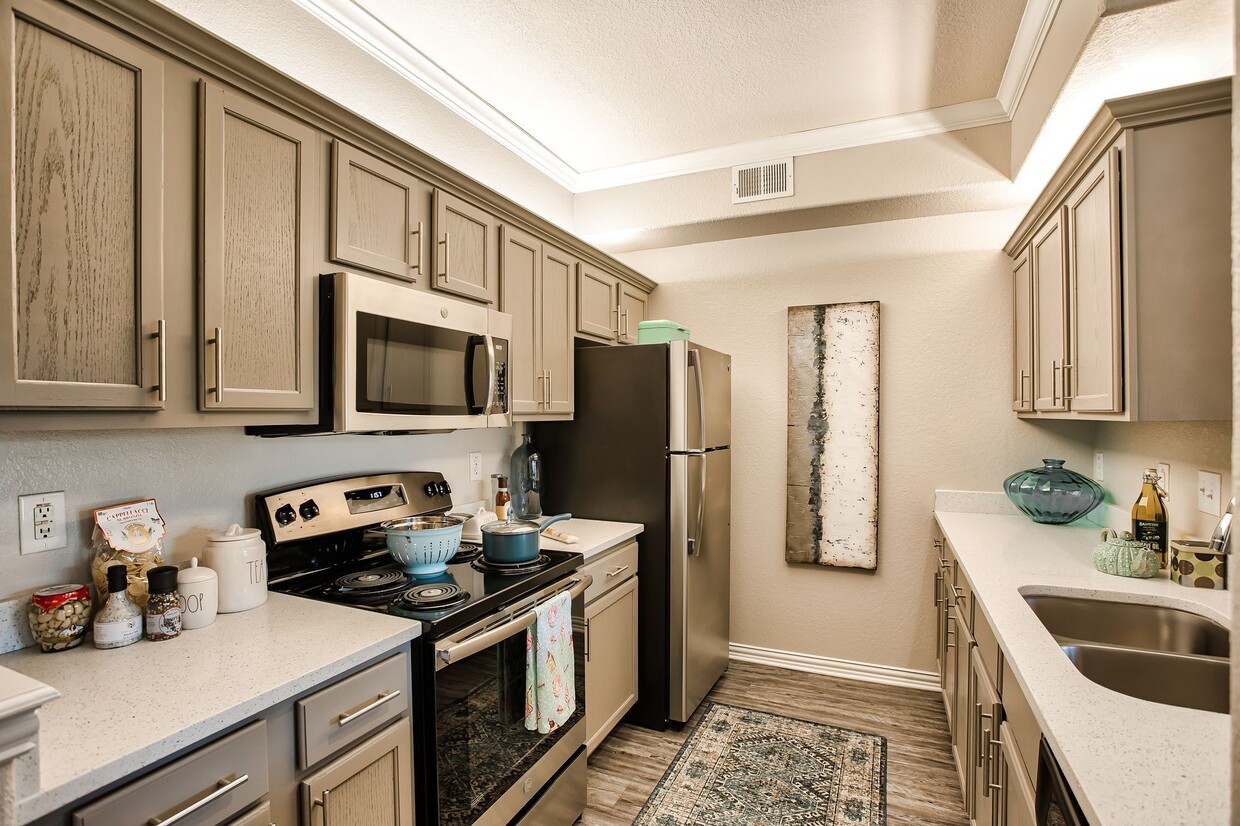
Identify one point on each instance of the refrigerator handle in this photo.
(695, 361)
(694, 542)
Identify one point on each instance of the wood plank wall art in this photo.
(832, 516)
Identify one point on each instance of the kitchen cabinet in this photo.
(538, 294)
(372, 784)
(611, 641)
(632, 312)
(466, 240)
(598, 302)
(986, 714)
(1015, 794)
(1122, 267)
(82, 212)
(259, 195)
(379, 215)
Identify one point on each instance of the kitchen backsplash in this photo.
(203, 479)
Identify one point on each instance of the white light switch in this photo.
(1208, 486)
(1098, 466)
(1164, 478)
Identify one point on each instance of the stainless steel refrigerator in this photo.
(649, 443)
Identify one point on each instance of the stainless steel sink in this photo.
(1130, 624)
(1151, 652)
(1175, 679)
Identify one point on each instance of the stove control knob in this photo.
(285, 515)
(444, 488)
(430, 488)
(309, 509)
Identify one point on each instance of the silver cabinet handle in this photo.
(322, 804)
(418, 233)
(951, 632)
(624, 322)
(161, 363)
(1054, 382)
(1067, 395)
(981, 715)
(550, 392)
(345, 719)
(1021, 375)
(938, 580)
(615, 312)
(218, 341)
(617, 571)
(542, 387)
(447, 252)
(223, 787)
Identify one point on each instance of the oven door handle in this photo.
(455, 652)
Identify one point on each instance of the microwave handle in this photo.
(490, 405)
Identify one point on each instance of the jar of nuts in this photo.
(59, 616)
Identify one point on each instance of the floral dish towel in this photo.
(550, 697)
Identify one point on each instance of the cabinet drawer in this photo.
(260, 815)
(610, 570)
(1026, 733)
(209, 786)
(343, 713)
(987, 645)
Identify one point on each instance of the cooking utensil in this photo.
(514, 540)
(422, 545)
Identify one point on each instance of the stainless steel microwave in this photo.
(397, 360)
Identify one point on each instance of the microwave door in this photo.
(479, 373)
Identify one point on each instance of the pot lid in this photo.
(511, 527)
(234, 533)
(195, 573)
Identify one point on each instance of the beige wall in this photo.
(203, 479)
(944, 417)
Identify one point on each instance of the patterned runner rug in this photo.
(741, 766)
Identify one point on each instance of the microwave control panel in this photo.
(501, 377)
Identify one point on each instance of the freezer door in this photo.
(700, 577)
(700, 397)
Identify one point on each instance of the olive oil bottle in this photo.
(1149, 517)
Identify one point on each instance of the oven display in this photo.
(369, 500)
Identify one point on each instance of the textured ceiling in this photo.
(603, 84)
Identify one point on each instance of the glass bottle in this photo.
(163, 609)
(119, 621)
(1149, 517)
(525, 479)
(502, 500)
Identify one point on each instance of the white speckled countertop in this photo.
(595, 535)
(1128, 761)
(123, 709)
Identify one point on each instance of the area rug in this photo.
(741, 766)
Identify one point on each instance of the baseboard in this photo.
(830, 666)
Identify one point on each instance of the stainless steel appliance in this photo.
(1055, 805)
(395, 360)
(475, 763)
(649, 443)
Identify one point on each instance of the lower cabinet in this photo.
(611, 641)
(371, 785)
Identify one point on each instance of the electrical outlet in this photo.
(1208, 485)
(475, 467)
(1098, 466)
(1164, 478)
(41, 522)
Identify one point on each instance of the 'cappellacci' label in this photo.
(135, 527)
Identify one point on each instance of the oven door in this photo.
(488, 766)
(411, 361)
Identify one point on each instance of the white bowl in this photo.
(422, 545)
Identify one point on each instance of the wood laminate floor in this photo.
(922, 786)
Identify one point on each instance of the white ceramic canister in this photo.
(199, 593)
(239, 558)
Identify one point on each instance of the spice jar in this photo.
(163, 609)
(59, 616)
(119, 621)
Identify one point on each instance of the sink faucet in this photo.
(1220, 539)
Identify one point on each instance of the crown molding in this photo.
(381, 42)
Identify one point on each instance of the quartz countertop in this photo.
(594, 536)
(1127, 760)
(123, 709)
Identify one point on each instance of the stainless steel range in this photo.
(474, 761)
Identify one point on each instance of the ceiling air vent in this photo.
(760, 181)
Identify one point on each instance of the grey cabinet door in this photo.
(1022, 328)
(259, 195)
(371, 785)
(598, 308)
(985, 715)
(465, 249)
(611, 660)
(520, 264)
(1049, 316)
(81, 208)
(380, 215)
(556, 307)
(1095, 373)
(632, 312)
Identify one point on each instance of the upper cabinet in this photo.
(259, 195)
(1122, 273)
(82, 214)
(598, 307)
(538, 294)
(632, 312)
(380, 215)
(466, 238)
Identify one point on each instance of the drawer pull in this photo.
(345, 719)
(322, 804)
(617, 571)
(224, 787)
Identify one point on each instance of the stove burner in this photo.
(511, 568)
(431, 596)
(467, 552)
(366, 585)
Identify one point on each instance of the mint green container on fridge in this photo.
(660, 331)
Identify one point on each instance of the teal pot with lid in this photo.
(514, 540)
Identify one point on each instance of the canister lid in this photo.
(162, 580)
(233, 533)
(195, 573)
